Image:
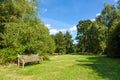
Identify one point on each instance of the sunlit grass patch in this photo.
(66, 67)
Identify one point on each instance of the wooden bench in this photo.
(29, 58)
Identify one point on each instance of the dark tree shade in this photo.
(113, 48)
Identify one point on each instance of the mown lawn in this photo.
(66, 67)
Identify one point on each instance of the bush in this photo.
(45, 55)
(7, 55)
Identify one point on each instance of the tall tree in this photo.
(82, 32)
(110, 16)
(91, 36)
(69, 43)
(114, 42)
(118, 9)
(118, 4)
(107, 15)
(60, 43)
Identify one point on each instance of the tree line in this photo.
(64, 43)
(101, 36)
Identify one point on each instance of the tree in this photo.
(91, 36)
(107, 15)
(92, 39)
(110, 16)
(60, 43)
(118, 9)
(82, 30)
(118, 6)
(69, 43)
(99, 39)
(11, 14)
(114, 43)
(21, 32)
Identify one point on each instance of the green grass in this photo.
(66, 67)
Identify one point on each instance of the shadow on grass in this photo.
(104, 66)
(29, 64)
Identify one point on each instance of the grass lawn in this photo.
(66, 67)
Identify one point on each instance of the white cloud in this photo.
(44, 11)
(98, 14)
(74, 28)
(75, 42)
(63, 30)
(47, 25)
(54, 31)
(92, 19)
(56, 26)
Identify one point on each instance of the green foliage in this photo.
(60, 43)
(102, 39)
(114, 43)
(7, 55)
(107, 15)
(64, 43)
(69, 43)
(118, 6)
(82, 33)
(21, 32)
(91, 37)
(110, 16)
(102, 35)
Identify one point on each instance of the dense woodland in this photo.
(22, 32)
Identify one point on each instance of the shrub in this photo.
(8, 55)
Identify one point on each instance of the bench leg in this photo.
(41, 60)
(23, 64)
(18, 63)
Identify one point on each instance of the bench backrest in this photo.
(28, 58)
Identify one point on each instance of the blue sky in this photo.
(63, 15)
